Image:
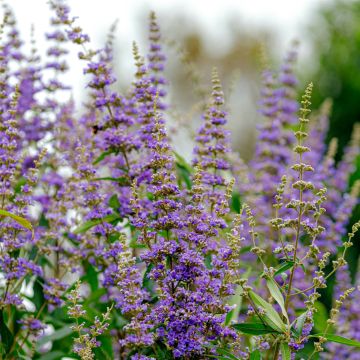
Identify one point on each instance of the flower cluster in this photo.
(114, 246)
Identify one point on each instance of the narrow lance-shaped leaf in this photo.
(103, 156)
(254, 328)
(89, 224)
(227, 354)
(299, 323)
(338, 339)
(7, 337)
(255, 355)
(236, 300)
(285, 351)
(20, 220)
(276, 294)
(270, 316)
(283, 267)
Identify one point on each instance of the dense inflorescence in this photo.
(114, 246)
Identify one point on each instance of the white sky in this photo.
(285, 17)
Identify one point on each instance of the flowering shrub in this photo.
(113, 246)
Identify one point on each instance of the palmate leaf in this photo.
(338, 339)
(20, 220)
(270, 316)
(254, 328)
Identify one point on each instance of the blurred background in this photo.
(198, 35)
(232, 35)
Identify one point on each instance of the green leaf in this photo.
(255, 355)
(229, 316)
(147, 283)
(91, 276)
(53, 355)
(114, 202)
(7, 337)
(277, 295)
(236, 300)
(103, 156)
(227, 353)
(91, 223)
(95, 296)
(338, 339)
(285, 351)
(184, 175)
(121, 180)
(245, 249)
(254, 328)
(38, 296)
(271, 317)
(180, 161)
(299, 323)
(56, 335)
(21, 182)
(104, 351)
(320, 317)
(236, 202)
(283, 267)
(20, 220)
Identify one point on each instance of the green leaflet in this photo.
(271, 317)
(180, 161)
(254, 328)
(53, 355)
(277, 295)
(56, 335)
(338, 339)
(236, 299)
(283, 267)
(227, 354)
(299, 323)
(122, 181)
(285, 351)
(20, 220)
(7, 337)
(255, 355)
(89, 224)
(103, 156)
(114, 203)
(320, 317)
